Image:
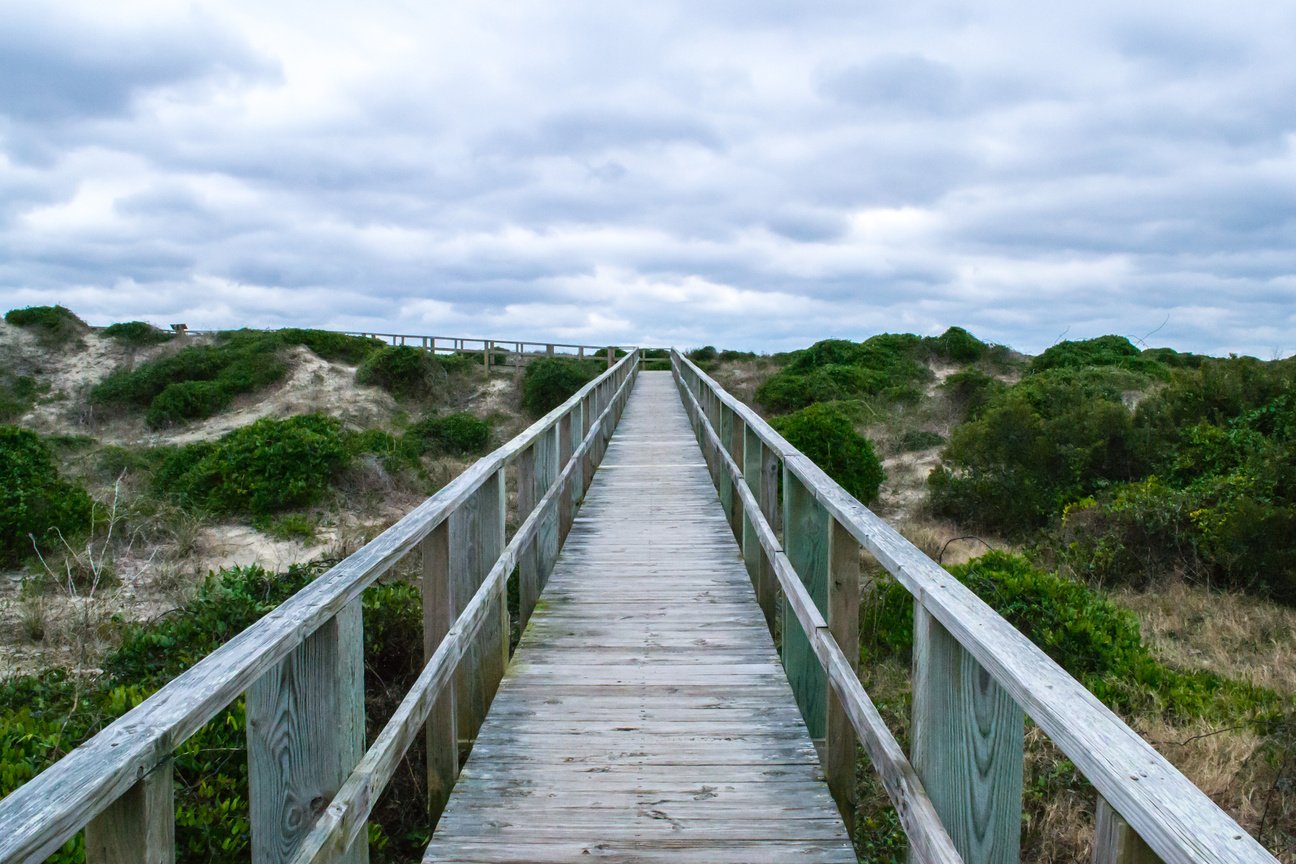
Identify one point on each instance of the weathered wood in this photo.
(805, 540)
(724, 484)
(139, 827)
(305, 731)
(1176, 819)
(967, 736)
(843, 624)
(439, 614)
(1115, 842)
(627, 722)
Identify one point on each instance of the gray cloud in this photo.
(739, 174)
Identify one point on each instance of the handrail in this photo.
(1139, 788)
(44, 813)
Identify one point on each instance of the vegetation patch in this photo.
(201, 380)
(260, 469)
(460, 434)
(45, 716)
(889, 367)
(825, 434)
(551, 381)
(404, 371)
(53, 325)
(17, 395)
(137, 334)
(1101, 351)
(34, 501)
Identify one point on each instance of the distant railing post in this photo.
(305, 731)
(1115, 842)
(967, 740)
(139, 827)
(439, 613)
(843, 623)
(805, 541)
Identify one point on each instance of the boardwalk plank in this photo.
(645, 716)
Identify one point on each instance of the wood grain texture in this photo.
(1115, 842)
(139, 827)
(805, 541)
(843, 624)
(645, 715)
(305, 731)
(1176, 819)
(967, 736)
(439, 614)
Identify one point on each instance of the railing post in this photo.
(759, 470)
(567, 429)
(736, 443)
(587, 461)
(843, 623)
(537, 471)
(476, 540)
(139, 827)
(724, 483)
(305, 731)
(967, 737)
(439, 613)
(805, 540)
(1115, 842)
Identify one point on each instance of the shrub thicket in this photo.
(551, 381)
(705, 354)
(53, 325)
(260, 469)
(34, 501)
(137, 334)
(1100, 351)
(825, 434)
(43, 717)
(1091, 637)
(459, 434)
(1052, 439)
(201, 380)
(889, 366)
(17, 395)
(404, 371)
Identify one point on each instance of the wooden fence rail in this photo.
(510, 352)
(312, 784)
(976, 678)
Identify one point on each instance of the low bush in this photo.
(957, 345)
(889, 367)
(1094, 639)
(920, 439)
(551, 381)
(705, 354)
(43, 717)
(404, 371)
(34, 501)
(137, 334)
(17, 395)
(1101, 351)
(971, 390)
(332, 346)
(53, 325)
(459, 434)
(258, 470)
(825, 434)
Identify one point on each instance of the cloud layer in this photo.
(732, 173)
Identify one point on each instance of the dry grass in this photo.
(1236, 635)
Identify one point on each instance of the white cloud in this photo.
(745, 174)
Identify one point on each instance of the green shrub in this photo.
(34, 500)
(957, 345)
(888, 366)
(705, 354)
(826, 435)
(551, 381)
(971, 390)
(458, 434)
(137, 334)
(1094, 639)
(260, 469)
(53, 325)
(17, 395)
(332, 346)
(1052, 439)
(403, 371)
(920, 439)
(1101, 351)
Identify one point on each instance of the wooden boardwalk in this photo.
(645, 716)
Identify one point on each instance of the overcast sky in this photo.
(746, 173)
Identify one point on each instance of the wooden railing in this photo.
(509, 351)
(312, 784)
(975, 679)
